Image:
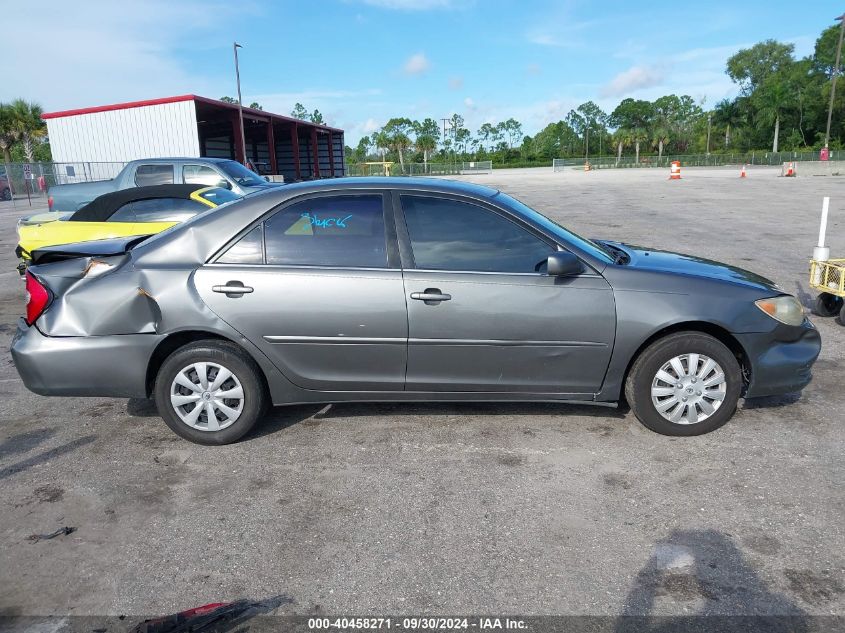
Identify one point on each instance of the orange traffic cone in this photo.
(742, 172)
(675, 170)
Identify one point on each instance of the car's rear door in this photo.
(482, 313)
(317, 286)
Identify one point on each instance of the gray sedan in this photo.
(401, 290)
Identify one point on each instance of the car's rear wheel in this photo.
(210, 392)
(828, 305)
(687, 383)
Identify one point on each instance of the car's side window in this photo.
(123, 214)
(342, 231)
(202, 175)
(158, 210)
(448, 234)
(247, 250)
(155, 174)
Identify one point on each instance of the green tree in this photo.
(485, 132)
(255, 106)
(512, 129)
(728, 113)
(749, 67)
(426, 133)
(228, 100)
(397, 133)
(634, 116)
(773, 97)
(299, 112)
(8, 132)
(28, 126)
(316, 117)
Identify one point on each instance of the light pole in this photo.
(240, 104)
(841, 19)
(709, 119)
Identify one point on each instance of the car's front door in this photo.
(318, 288)
(482, 313)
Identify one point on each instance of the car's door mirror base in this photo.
(563, 264)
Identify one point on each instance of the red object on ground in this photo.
(824, 154)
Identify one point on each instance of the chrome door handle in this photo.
(431, 296)
(233, 289)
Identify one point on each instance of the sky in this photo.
(361, 62)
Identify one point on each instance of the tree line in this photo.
(781, 106)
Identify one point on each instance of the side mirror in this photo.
(267, 178)
(563, 264)
(224, 184)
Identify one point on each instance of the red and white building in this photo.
(193, 126)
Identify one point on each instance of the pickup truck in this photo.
(213, 172)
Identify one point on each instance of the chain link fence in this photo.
(695, 160)
(35, 179)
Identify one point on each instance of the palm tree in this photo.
(8, 132)
(776, 96)
(621, 138)
(659, 137)
(26, 120)
(729, 114)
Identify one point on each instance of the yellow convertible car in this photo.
(135, 211)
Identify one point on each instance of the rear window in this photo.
(148, 175)
(218, 196)
(158, 210)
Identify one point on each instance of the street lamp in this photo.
(240, 104)
(709, 119)
(841, 19)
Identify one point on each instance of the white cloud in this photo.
(456, 83)
(120, 51)
(370, 125)
(631, 80)
(417, 64)
(469, 103)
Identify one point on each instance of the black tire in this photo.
(229, 356)
(7, 194)
(842, 316)
(645, 368)
(828, 305)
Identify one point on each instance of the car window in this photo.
(448, 234)
(343, 231)
(158, 210)
(218, 195)
(201, 175)
(148, 175)
(247, 250)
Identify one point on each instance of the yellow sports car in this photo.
(135, 211)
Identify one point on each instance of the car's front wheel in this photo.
(210, 392)
(687, 383)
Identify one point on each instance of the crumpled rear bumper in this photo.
(113, 366)
(781, 360)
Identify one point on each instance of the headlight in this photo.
(786, 309)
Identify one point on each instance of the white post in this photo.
(821, 253)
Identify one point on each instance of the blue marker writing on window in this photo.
(326, 222)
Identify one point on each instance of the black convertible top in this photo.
(102, 208)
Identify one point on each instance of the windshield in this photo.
(589, 246)
(218, 195)
(241, 174)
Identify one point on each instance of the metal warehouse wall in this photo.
(166, 129)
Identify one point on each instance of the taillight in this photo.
(37, 298)
(50, 202)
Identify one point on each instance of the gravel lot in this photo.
(455, 508)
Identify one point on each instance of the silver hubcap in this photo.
(207, 396)
(688, 389)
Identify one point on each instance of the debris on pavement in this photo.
(64, 531)
(216, 617)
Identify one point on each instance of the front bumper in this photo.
(114, 366)
(781, 360)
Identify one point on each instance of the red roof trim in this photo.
(117, 106)
(149, 102)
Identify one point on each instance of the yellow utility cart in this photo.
(827, 275)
